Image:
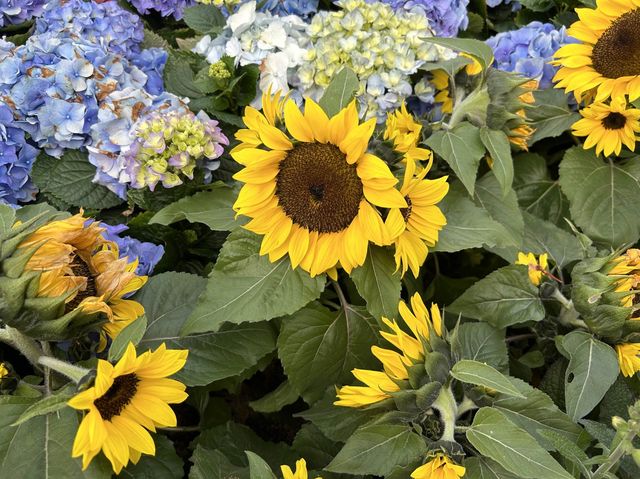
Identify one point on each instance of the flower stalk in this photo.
(75, 373)
(446, 405)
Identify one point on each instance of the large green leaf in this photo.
(250, 288)
(319, 348)
(282, 396)
(165, 464)
(494, 436)
(481, 342)
(168, 299)
(479, 467)
(210, 463)
(475, 372)
(179, 78)
(593, 368)
(377, 449)
(503, 298)
(603, 196)
(69, 180)
(378, 283)
(497, 144)
(551, 114)
(258, 467)
(462, 149)
(204, 18)
(340, 91)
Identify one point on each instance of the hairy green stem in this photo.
(568, 315)
(615, 455)
(75, 373)
(28, 347)
(446, 405)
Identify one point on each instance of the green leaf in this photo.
(481, 342)
(340, 91)
(461, 148)
(603, 196)
(593, 368)
(49, 404)
(258, 467)
(211, 463)
(476, 48)
(153, 40)
(475, 372)
(132, 333)
(69, 179)
(317, 449)
(538, 5)
(168, 299)
(282, 396)
(551, 115)
(165, 464)
(544, 237)
(479, 467)
(179, 78)
(204, 18)
(567, 449)
(503, 298)
(497, 144)
(377, 449)
(213, 208)
(378, 283)
(494, 436)
(467, 225)
(319, 348)
(251, 288)
(7, 218)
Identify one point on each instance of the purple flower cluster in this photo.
(147, 254)
(446, 17)
(16, 159)
(14, 12)
(164, 7)
(528, 50)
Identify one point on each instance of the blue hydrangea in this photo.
(14, 12)
(16, 159)
(164, 7)
(515, 4)
(446, 17)
(152, 62)
(528, 50)
(147, 254)
(302, 8)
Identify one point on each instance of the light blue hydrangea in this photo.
(164, 7)
(14, 12)
(528, 50)
(147, 254)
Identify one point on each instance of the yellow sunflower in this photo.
(127, 400)
(440, 467)
(313, 192)
(416, 227)
(537, 267)
(608, 127)
(627, 265)
(402, 130)
(74, 259)
(3, 371)
(380, 384)
(521, 134)
(629, 358)
(301, 471)
(606, 58)
(441, 81)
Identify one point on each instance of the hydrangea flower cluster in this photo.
(14, 12)
(515, 4)
(446, 17)
(282, 8)
(148, 254)
(528, 50)
(16, 159)
(141, 140)
(164, 7)
(383, 47)
(276, 43)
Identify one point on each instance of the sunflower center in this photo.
(614, 121)
(318, 189)
(80, 268)
(406, 212)
(120, 394)
(617, 52)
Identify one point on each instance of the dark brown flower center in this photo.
(614, 121)
(120, 394)
(617, 52)
(406, 212)
(80, 268)
(318, 189)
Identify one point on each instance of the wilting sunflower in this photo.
(536, 267)
(127, 400)
(75, 260)
(440, 467)
(608, 127)
(301, 471)
(416, 227)
(629, 358)
(606, 58)
(380, 384)
(313, 192)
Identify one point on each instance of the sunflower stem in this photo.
(446, 405)
(75, 373)
(28, 347)
(568, 315)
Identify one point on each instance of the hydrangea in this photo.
(528, 50)
(152, 62)
(13, 12)
(141, 140)
(301, 8)
(383, 47)
(275, 43)
(515, 4)
(16, 159)
(56, 82)
(147, 254)
(164, 7)
(446, 17)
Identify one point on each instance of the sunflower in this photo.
(441, 81)
(440, 467)
(380, 384)
(127, 400)
(75, 260)
(416, 227)
(608, 127)
(606, 59)
(402, 130)
(301, 471)
(536, 267)
(627, 267)
(3, 371)
(629, 358)
(313, 192)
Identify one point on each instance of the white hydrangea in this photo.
(277, 44)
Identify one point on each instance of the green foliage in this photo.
(340, 92)
(378, 283)
(474, 372)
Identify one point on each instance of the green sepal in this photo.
(12, 239)
(13, 293)
(437, 367)
(67, 326)
(46, 308)
(13, 266)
